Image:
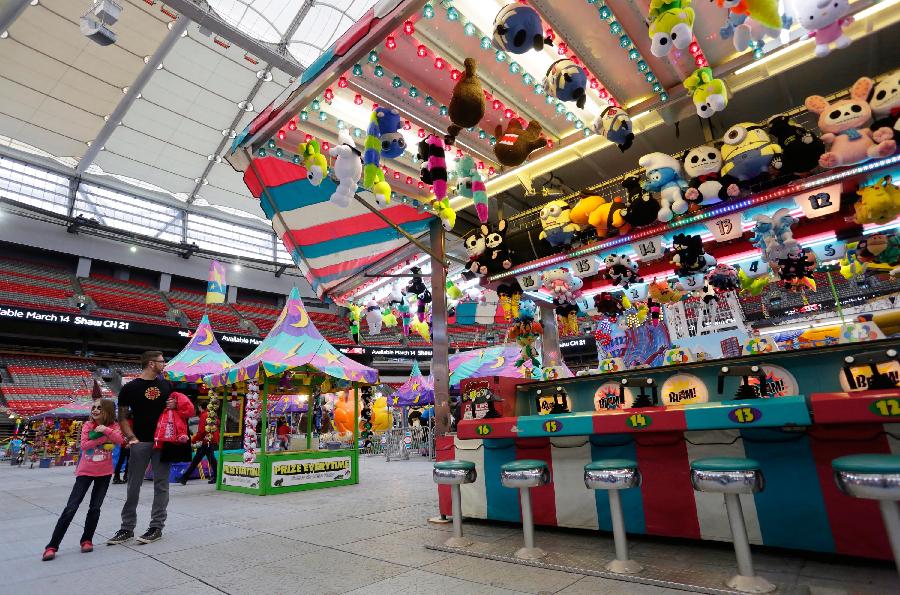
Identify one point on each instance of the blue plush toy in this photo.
(664, 176)
(566, 81)
(389, 123)
(518, 28)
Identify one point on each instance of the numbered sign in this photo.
(483, 429)
(754, 267)
(586, 266)
(828, 251)
(529, 281)
(552, 426)
(649, 249)
(745, 415)
(725, 228)
(692, 282)
(638, 421)
(637, 291)
(886, 407)
(821, 201)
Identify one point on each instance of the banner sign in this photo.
(821, 201)
(239, 474)
(725, 228)
(308, 471)
(649, 249)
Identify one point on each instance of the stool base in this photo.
(624, 567)
(458, 542)
(750, 584)
(530, 553)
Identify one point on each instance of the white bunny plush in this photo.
(347, 169)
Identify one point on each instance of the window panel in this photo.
(34, 186)
(220, 236)
(129, 213)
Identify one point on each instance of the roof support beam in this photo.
(10, 11)
(178, 27)
(201, 13)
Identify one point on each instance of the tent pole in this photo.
(309, 414)
(264, 393)
(440, 359)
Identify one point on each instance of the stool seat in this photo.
(872, 476)
(454, 472)
(527, 473)
(612, 474)
(727, 475)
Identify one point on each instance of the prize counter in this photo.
(794, 436)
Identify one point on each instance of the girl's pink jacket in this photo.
(96, 458)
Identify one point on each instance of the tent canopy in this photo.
(201, 356)
(74, 410)
(294, 343)
(491, 361)
(417, 390)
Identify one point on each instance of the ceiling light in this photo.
(237, 267)
(215, 158)
(246, 106)
(159, 66)
(34, 2)
(4, 35)
(133, 249)
(264, 75)
(124, 90)
(146, 59)
(203, 181)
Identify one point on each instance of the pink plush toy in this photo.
(845, 124)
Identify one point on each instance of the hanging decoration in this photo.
(392, 142)
(470, 184)
(566, 81)
(347, 168)
(710, 95)
(824, 21)
(621, 270)
(514, 145)
(434, 171)
(671, 26)
(615, 124)
(212, 414)
(518, 29)
(315, 162)
(749, 22)
(510, 295)
(467, 104)
(353, 319)
(251, 418)
(564, 287)
(373, 176)
(373, 317)
(525, 331)
(690, 260)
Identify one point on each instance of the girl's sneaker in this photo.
(86, 546)
(49, 554)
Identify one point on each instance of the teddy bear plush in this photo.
(705, 187)
(845, 124)
(664, 176)
(466, 108)
(641, 206)
(513, 146)
(801, 148)
(885, 103)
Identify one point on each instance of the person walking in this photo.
(208, 442)
(99, 436)
(122, 462)
(145, 398)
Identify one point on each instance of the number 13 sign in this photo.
(821, 201)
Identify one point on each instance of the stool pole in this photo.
(457, 510)
(739, 534)
(618, 525)
(527, 521)
(891, 516)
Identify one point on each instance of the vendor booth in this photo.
(293, 359)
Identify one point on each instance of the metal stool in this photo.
(732, 477)
(524, 475)
(876, 477)
(454, 474)
(613, 475)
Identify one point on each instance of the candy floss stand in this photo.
(293, 358)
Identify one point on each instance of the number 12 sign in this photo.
(820, 201)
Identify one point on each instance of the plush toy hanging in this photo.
(796, 270)
(389, 123)
(314, 161)
(710, 95)
(373, 317)
(347, 168)
(251, 416)
(664, 176)
(879, 251)
(825, 22)
(723, 277)
(753, 286)
(556, 225)
(497, 255)
(354, 321)
(671, 26)
(564, 287)
(475, 249)
(773, 236)
(614, 123)
(566, 81)
(510, 295)
(662, 292)
(405, 317)
(609, 305)
(466, 108)
(641, 206)
(567, 320)
(525, 331)
(518, 29)
(388, 318)
(373, 175)
(748, 152)
(749, 22)
(885, 103)
(800, 147)
(621, 270)
(845, 124)
(705, 186)
(606, 216)
(434, 172)
(690, 260)
(515, 145)
(470, 185)
(878, 203)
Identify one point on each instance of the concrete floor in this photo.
(367, 538)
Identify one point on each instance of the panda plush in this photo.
(475, 249)
(706, 186)
(641, 206)
(801, 147)
(885, 103)
(621, 270)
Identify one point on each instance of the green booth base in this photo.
(283, 472)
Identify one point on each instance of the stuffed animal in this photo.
(373, 317)
(773, 235)
(609, 305)
(621, 270)
(470, 185)
(348, 168)
(373, 176)
(525, 331)
(564, 287)
(518, 29)
(748, 152)
(662, 292)
(749, 22)
(690, 258)
(466, 107)
(605, 216)
(752, 285)
(389, 123)
(497, 255)
(315, 162)
(825, 22)
(416, 286)
(671, 26)
(556, 225)
(801, 148)
(796, 271)
(641, 206)
(453, 291)
(566, 81)
(879, 251)
(614, 123)
(878, 203)
(567, 320)
(405, 317)
(354, 319)
(705, 187)
(475, 248)
(845, 122)
(510, 295)
(434, 165)
(514, 145)
(723, 277)
(710, 95)
(388, 318)
(885, 103)
(664, 176)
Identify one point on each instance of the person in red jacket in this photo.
(208, 442)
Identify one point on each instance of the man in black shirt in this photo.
(145, 397)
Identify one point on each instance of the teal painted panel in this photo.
(567, 424)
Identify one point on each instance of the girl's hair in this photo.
(107, 412)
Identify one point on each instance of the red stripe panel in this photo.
(655, 419)
(274, 172)
(350, 226)
(667, 493)
(856, 523)
(543, 499)
(444, 450)
(343, 267)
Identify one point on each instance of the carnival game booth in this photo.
(417, 392)
(293, 358)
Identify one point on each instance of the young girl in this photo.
(98, 437)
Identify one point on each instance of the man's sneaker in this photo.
(121, 536)
(152, 534)
(49, 554)
(86, 547)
